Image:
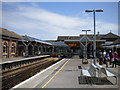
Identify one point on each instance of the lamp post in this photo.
(86, 42)
(94, 50)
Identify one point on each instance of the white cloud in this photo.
(60, 1)
(105, 27)
(43, 24)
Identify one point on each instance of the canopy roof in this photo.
(59, 43)
(83, 39)
(28, 38)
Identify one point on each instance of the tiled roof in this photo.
(77, 37)
(117, 41)
(90, 36)
(63, 38)
(6, 32)
(98, 37)
(110, 35)
(68, 37)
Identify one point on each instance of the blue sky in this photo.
(74, 8)
(47, 20)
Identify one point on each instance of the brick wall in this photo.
(9, 51)
(1, 48)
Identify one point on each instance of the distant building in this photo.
(14, 45)
(30, 46)
(77, 43)
(114, 46)
(9, 43)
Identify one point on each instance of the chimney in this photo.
(98, 33)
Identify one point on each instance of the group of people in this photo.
(108, 57)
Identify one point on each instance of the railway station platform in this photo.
(17, 59)
(66, 74)
(11, 59)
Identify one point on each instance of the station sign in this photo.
(72, 44)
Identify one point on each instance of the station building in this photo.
(9, 43)
(30, 46)
(77, 44)
(15, 45)
(114, 46)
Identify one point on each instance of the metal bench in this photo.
(106, 72)
(91, 72)
(93, 69)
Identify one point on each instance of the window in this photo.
(13, 48)
(5, 48)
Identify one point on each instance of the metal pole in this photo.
(86, 44)
(53, 49)
(41, 48)
(94, 50)
(94, 43)
(26, 50)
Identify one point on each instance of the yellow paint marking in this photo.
(55, 74)
(118, 66)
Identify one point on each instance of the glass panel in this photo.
(5, 48)
(13, 48)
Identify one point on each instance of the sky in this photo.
(47, 20)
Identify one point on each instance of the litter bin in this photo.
(84, 61)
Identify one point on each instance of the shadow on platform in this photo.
(79, 67)
(93, 81)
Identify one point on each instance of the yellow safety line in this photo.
(118, 65)
(55, 74)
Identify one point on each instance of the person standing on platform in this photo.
(100, 57)
(103, 58)
(106, 59)
(115, 56)
(104, 53)
(111, 57)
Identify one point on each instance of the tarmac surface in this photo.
(66, 74)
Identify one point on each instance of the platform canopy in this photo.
(59, 43)
(83, 39)
(28, 38)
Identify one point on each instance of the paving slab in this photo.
(66, 74)
(38, 78)
(69, 77)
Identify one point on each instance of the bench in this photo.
(91, 72)
(106, 72)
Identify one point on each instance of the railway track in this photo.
(14, 76)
